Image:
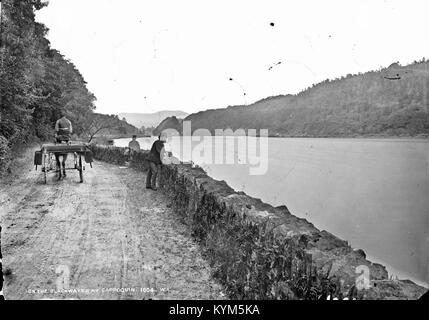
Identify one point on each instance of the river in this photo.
(372, 192)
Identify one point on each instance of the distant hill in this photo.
(389, 102)
(118, 126)
(149, 120)
(108, 126)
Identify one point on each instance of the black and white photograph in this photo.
(233, 151)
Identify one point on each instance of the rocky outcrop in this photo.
(171, 123)
(149, 120)
(263, 252)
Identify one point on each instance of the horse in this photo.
(61, 165)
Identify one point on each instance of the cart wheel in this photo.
(80, 169)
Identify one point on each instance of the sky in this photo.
(147, 56)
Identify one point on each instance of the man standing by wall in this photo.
(155, 161)
(133, 147)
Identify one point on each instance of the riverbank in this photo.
(263, 252)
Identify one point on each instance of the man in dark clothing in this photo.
(155, 161)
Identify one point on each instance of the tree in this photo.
(36, 81)
(97, 124)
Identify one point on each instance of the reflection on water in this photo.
(373, 193)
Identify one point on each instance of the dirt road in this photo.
(108, 238)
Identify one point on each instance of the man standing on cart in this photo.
(63, 129)
(63, 132)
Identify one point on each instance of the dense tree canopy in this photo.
(36, 81)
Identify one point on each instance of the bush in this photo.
(4, 155)
(108, 154)
(118, 156)
(139, 161)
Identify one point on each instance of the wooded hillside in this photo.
(388, 102)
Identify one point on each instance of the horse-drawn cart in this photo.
(49, 153)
